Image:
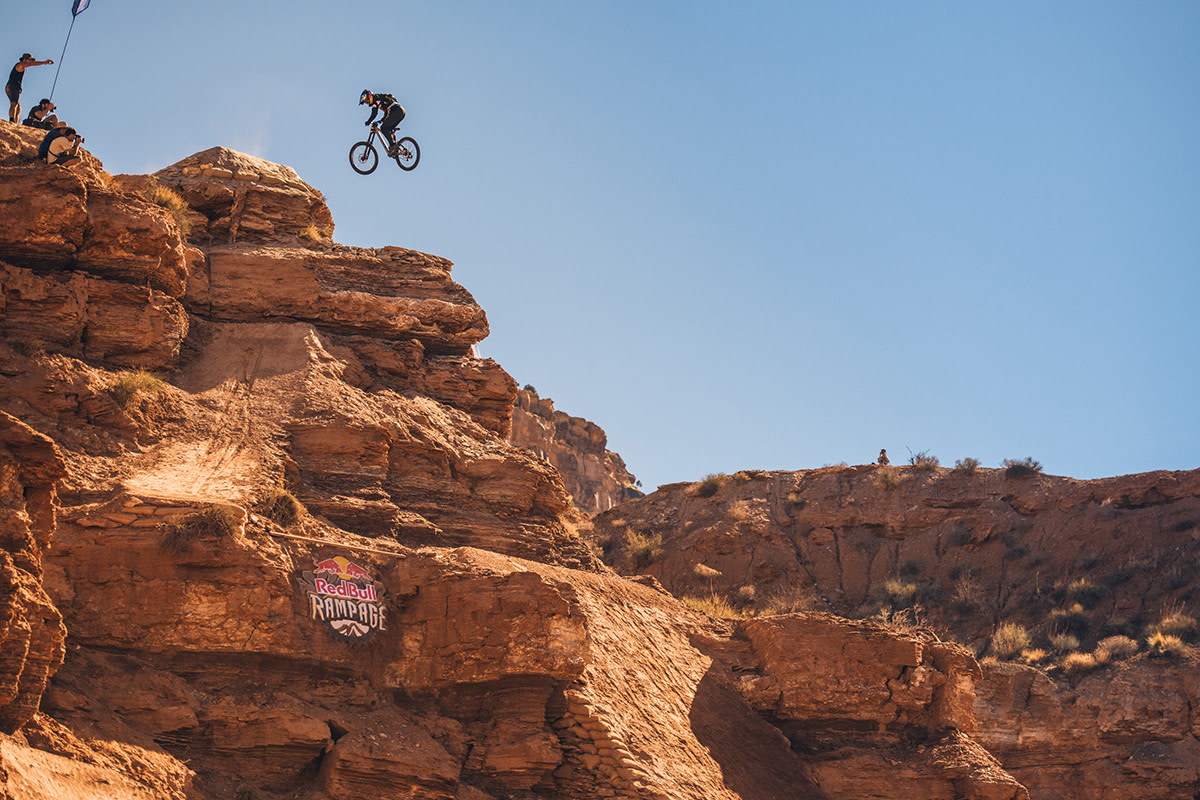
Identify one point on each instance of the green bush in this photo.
(1009, 640)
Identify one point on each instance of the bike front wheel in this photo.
(407, 153)
(364, 158)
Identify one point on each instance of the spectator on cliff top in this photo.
(883, 458)
(61, 147)
(13, 87)
(40, 116)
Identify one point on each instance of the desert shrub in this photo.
(966, 465)
(1072, 619)
(1009, 640)
(968, 593)
(172, 201)
(644, 548)
(1117, 648)
(1162, 645)
(709, 486)
(1021, 468)
(886, 478)
(128, 384)
(745, 596)
(529, 388)
(215, 522)
(898, 594)
(789, 599)
(1084, 592)
(904, 621)
(280, 506)
(1064, 642)
(923, 460)
(1178, 624)
(1079, 663)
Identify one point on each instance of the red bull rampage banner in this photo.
(342, 595)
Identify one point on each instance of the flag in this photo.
(78, 6)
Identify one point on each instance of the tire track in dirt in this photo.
(226, 466)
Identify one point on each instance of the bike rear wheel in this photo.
(364, 158)
(407, 153)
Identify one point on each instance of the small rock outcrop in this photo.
(595, 477)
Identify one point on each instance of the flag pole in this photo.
(60, 58)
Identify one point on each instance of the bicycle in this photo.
(364, 157)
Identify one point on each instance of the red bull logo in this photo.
(343, 595)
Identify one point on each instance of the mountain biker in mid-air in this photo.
(393, 114)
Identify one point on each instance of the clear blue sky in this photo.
(769, 235)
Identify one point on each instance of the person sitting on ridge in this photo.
(393, 114)
(883, 458)
(40, 116)
(61, 147)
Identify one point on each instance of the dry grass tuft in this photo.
(128, 384)
(713, 605)
(789, 599)
(216, 522)
(280, 506)
(172, 201)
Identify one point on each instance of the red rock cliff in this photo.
(595, 476)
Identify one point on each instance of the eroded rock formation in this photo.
(595, 476)
(259, 482)
(1070, 562)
